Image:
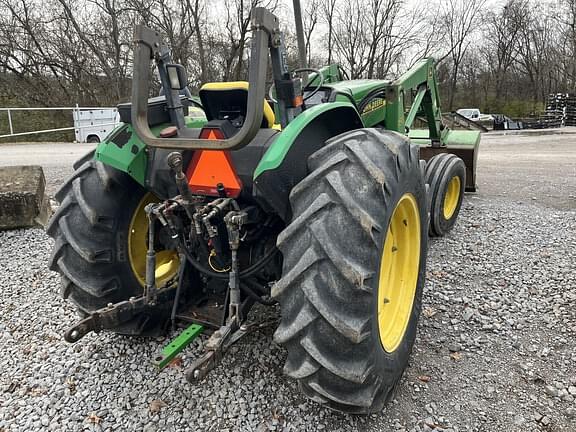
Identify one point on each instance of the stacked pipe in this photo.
(555, 109)
(570, 117)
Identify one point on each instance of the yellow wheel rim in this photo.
(399, 272)
(452, 197)
(167, 261)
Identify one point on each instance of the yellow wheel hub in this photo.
(399, 272)
(452, 197)
(167, 261)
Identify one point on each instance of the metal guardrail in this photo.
(76, 108)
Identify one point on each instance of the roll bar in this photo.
(148, 47)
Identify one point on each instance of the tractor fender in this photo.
(284, 164)
(124, 150)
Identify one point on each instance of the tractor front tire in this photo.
(446, 175)
(354, 269)
(91, 229)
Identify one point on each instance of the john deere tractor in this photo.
(315, 195)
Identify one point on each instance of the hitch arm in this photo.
(220, 341)
(105, 318)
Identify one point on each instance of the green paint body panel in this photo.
(131, 157)
(277, 151)
(196, 100)
(452, 138)
(358, 89)
(331, 73)
(374, 112)
(195, 122)
(177, 345)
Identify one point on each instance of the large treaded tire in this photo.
(332, 253)
(440, 170)
(90, 231)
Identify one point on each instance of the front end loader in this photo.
(315, 196)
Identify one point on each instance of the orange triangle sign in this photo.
(208, 168)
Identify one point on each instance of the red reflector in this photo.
(211, 134)
(298, 100)
(209, 168)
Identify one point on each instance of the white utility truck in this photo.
(92, 125)
(475, 115)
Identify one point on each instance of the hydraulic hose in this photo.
(245, 285)
(246, 273)
(259, 265)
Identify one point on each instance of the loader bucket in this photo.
(462, 143)
(22, 200)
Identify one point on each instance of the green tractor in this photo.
(318, 196)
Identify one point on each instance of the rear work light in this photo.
(211, 168)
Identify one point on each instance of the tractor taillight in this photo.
(211, 134)
(210, 168)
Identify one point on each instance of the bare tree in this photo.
(459, 21)
(237, 30)
(79, 51)
(364, 35)
(423, 33)
(328, 11)
(349, 38)
(197, 10)
(502, 31)
(310, 21)
(567, 43)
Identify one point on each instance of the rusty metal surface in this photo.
(210, 311)
(469, 156)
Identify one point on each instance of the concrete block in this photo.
(23, 202)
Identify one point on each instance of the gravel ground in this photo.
(495, 351)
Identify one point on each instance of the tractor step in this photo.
(177, 345)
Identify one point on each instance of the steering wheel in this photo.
(316, 89)
(318, 74)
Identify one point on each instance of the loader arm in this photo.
(419, 82)
(415, 94)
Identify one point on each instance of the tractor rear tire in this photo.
(348, 344)
(446, 175)
(90, 231)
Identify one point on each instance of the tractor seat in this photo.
(229, 101)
